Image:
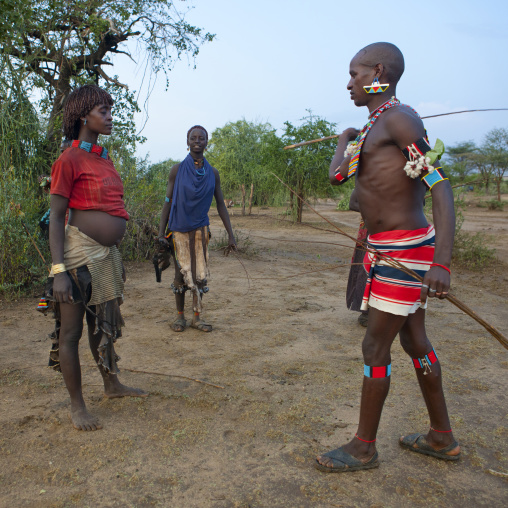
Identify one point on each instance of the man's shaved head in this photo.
(384, 53)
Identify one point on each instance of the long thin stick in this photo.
(458, 185)
(393, 262)
(309, 272)
(423, 118)
(131, 370)
(172, 375)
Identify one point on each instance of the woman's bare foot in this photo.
(82, 420)
(115, 390)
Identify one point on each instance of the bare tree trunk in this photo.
(250, 197)
(299, 203)
(54, 132)
(243, 199)
(499, 188)
(299, 211)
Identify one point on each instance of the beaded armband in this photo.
(421, 157)
(437, 175)
(339, 177)
(417, 161)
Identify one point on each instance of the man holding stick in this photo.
(394, 166)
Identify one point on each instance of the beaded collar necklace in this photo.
(355, 147)
(200, 171)
(91, 148)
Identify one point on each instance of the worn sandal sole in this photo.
(369, 465)
(425, 449)
(349, 463)
(201, 328)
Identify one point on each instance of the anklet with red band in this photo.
(377, 372)
(441, 266)
(425, 362)
(365, 441)
(443, 431)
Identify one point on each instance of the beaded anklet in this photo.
(365, 441)
(443, 431)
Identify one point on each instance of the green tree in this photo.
(52, 45)
(459, 163)
(307, 166)
(495, 152)
(236, 150)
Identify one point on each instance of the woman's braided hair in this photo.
(197, 127)
(79, 103)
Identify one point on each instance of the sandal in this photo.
(179, 325)
(344, 462)
(417, 443)
(202, 326)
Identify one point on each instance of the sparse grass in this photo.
(472, 251)
(491, 204)
(243, 242)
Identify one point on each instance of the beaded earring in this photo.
(84, 123)
(376, 87)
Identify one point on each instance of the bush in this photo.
(346, 191)
(494, 204)
(20, 263)
(470, 250)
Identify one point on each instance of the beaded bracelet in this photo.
(441, 266)
(58, 268)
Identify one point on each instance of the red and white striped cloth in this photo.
(390, 289)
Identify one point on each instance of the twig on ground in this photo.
(172, 375)
(126, 369)
(497, 473)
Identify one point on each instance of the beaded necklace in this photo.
(203, 170)
(355, 147)
(91, 148)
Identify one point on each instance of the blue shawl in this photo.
(192, 196)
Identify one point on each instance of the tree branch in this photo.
(107, 78)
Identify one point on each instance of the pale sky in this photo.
(273, 59)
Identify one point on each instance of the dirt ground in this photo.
(287, 353)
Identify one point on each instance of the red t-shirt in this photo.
(89, 182)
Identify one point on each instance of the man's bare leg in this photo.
(70, 333)
(415, 343)
(112, 386)
(381, 331)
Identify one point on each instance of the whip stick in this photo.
(394, 263)
(303, 143)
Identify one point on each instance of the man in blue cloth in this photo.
(192, 184)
